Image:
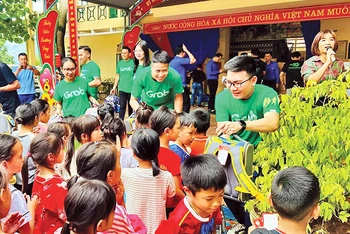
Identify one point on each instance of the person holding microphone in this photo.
(323, 65)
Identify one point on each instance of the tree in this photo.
(4, 56)
(62, 7)
(316, 137)
(15, 20)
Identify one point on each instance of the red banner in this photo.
(46, 41)
(261, 17)
(162, 41)
(141, 9)
(46, 38)
(73, 32)
(131, 37)
(48, 4)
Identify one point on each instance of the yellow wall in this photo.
(341, 28)
(103, 49)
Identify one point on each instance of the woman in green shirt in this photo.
(141, 57)
(72, 93)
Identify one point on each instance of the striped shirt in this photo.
(121, 223)
(146, 195)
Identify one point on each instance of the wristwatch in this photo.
(243, 125)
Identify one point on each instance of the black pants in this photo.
(237, 209)
(124, 99)
(270, 83)
(213, 87)
(186, 99)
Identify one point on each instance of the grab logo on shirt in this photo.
(160, 94)
(74, 93)
(251, 116)
(126, 69)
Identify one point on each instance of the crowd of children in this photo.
(86, 175)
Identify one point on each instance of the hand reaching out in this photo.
(12, 223)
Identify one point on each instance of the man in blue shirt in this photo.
(212, 70)
(25, 75)
(272, 77)
(178, 63)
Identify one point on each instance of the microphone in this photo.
(332, 54)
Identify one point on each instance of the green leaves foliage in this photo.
(15, 20)
(316, 137)
(4, 55)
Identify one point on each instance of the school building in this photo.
(228, 26)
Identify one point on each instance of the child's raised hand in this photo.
(33, 202)
(36, 130)
(12, 223)
(118, 144)
(119, 190)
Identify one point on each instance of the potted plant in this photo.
(318, 138)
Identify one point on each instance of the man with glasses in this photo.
(244, 107)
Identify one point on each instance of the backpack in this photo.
(236, 156)
(6, 123)
(130, 124)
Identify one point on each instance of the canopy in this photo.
(120, 4)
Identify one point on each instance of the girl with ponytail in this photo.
(147, 187)
(85, 128)
(46, 150)
(27, 118)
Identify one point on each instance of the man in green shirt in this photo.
(89, 71)
(124, 80)
(158, 85)
(244, 107)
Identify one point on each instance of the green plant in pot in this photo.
(316, 137)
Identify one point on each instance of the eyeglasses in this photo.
(138, 51)
(69, 69)
(236, 85)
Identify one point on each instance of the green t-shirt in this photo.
(154, 93)
(263, 100)
(138, 71)
(89, 72)
(125, 69)
(73, 96)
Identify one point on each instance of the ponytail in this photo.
(70, 153)
(72, 181)
(145, 145)
(155, 167)
(65, 228)
(25, 173)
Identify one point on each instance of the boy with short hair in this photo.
(204, 181)
(202, 117)
(181, 146)
(295, 194)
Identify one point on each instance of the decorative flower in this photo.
(47, 87)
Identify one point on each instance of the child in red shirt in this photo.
(46, 149)
(166, 123)
(204, 181)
